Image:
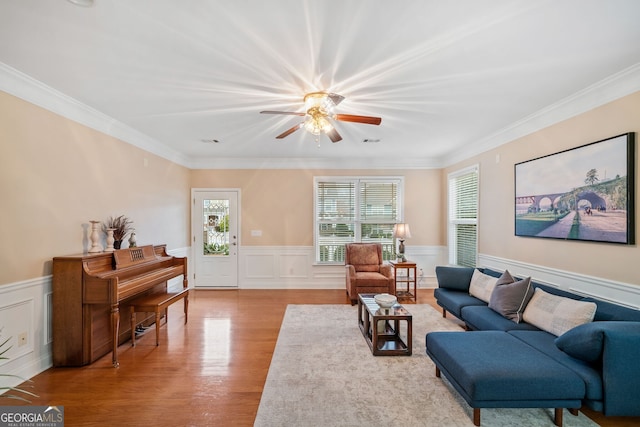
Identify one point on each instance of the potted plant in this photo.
(121, 226)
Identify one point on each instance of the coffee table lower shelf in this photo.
(382, 329)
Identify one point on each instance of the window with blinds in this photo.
(355, 210)
(463, 217)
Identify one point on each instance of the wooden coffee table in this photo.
(381, 327)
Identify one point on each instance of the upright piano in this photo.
(90, 291)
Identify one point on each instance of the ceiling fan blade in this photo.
(334, 135)
(358, 119)
(291, 113)
(290, 131)
(335, 98)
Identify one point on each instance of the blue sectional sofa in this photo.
(499, 362)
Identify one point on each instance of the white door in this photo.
(215, 238)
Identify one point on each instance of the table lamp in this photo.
(401, 232)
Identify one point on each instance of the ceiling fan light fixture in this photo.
(319, 107)
(317, 124)
(320, 101)
(319, 110)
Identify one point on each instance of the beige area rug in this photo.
(323, 374)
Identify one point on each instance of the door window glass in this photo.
(216, 227)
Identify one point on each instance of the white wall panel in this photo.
(293, 267)
(258, 266)
(24, 310)
(617, 292)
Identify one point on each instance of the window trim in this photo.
(357, 179)
(451, 222)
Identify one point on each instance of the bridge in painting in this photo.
(533, 201)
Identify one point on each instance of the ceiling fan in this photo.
(319, 113)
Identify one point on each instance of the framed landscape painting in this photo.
(585, 193)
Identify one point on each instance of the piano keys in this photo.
(91, 290)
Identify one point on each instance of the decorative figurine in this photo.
(132, 240)
(95, 238)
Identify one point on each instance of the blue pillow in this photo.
(583, 342)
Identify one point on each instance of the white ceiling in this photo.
(449, 78)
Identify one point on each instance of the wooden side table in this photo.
(404, 291)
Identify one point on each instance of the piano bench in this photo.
(156, 303)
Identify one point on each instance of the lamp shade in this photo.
(401, 231)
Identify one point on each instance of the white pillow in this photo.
(482, 285)
(556, 314)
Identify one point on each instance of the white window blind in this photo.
(355, 210)
(335, 218)
(463, 217)
(378, 201)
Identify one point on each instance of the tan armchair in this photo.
(366, 274)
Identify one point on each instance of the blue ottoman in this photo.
(493, 369)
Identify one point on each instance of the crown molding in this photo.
(313, 163)
(607, 90)
(25, 87)
(31, 90)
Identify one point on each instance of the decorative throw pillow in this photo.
(505, 279)
(584, 342)
(556, 314)
(587, 341)
(510, 299)
(482, 285)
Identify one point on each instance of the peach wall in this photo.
(56, 175)
(280, 202)
(496, 216)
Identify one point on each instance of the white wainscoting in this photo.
(293, 267)
(617, 292)
(25, 308)
(285, 267)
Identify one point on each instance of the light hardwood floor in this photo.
(209, 372)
